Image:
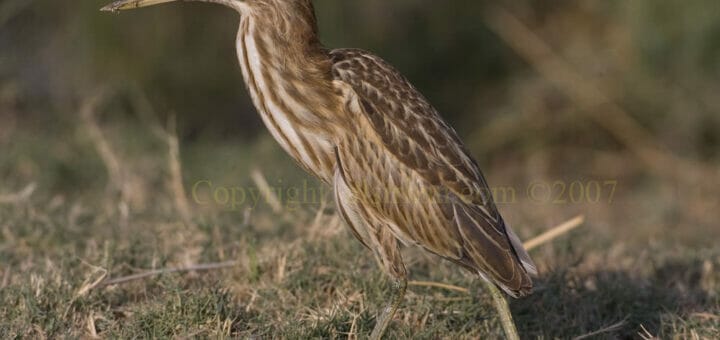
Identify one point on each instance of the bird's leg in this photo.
(503, 310)
(387, 253)
(383, 321)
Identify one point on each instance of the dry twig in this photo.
(139, 276)
(554, 233)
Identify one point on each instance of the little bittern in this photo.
(400, 173)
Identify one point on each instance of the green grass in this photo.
(296, 278)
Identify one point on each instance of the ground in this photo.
(642, 264)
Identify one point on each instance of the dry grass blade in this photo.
(199, 267)
(108, 156)
(6, 278)
(554, 233)
(91, 327)
(708, 316)
(176, 182)
(121, 179)
(352, 334)
(87, 285)
(90, 284)
(612, 328)
(267, 192)
(439, 285)
(645, 334)
(21, 196)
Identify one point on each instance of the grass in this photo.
(633, 270)
(586, 93)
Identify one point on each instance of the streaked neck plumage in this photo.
(288, 75)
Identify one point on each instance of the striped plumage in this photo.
(292, 90)
(399, 165)
(410, 174)
(400, 173)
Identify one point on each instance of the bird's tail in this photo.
(522, 254)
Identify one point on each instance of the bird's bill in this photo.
(131, 4)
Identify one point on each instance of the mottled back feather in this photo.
(406, 164)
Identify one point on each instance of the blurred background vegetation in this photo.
(657, 59)
(565, 91)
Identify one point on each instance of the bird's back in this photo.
(410, 171)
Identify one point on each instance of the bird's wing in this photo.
(412, 168)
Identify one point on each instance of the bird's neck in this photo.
(285, 68)
(289, 79)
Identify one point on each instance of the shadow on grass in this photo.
(568, 304)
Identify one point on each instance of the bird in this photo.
(401, 175)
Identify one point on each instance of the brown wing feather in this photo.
(411, 168)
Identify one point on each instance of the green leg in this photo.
(383, 321)
(503, 309)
